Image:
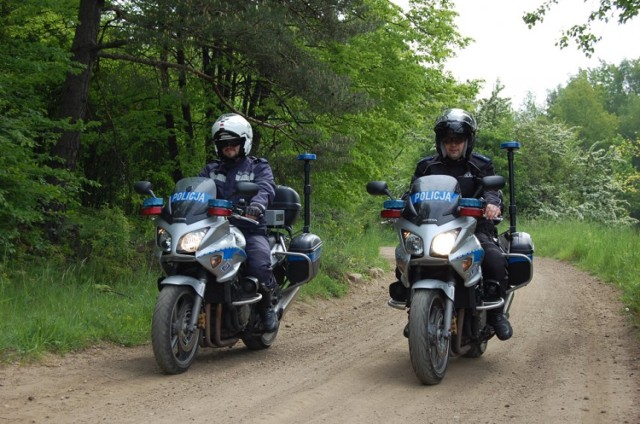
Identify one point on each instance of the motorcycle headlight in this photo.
(413, 243)
(442, 244)
(190, 242)
(163, 239)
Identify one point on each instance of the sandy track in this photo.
(573, 359)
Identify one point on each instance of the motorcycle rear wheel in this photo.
(428, 341)
(174, 346)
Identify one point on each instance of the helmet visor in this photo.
(226, 142)
(225, 138)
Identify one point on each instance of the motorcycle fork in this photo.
(195, 309)
(448, 317)
(458, 320)
(456, 347)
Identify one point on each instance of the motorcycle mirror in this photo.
(143, 187)
(493, 182)
(246, 188)
(378, 188)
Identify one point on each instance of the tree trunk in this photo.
(75, 93)
(172, 139)
(186, 106)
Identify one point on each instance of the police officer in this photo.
(455, 137)
(232, 136)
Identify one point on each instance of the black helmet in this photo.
(460, 122)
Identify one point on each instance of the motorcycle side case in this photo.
(285, 208)
(520, 259)
(300, 269)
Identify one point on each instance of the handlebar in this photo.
(238, 211)
(244, 218)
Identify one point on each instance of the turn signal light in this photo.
(475, 212)
(219, 212)
(391, 213)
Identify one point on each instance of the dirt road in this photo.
(573, 359)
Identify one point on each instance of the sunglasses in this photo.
(454, 140)
(233, 142)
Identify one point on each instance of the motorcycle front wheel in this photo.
(428, 337)
(174, 346)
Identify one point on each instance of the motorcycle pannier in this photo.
(303, 261)
(284, 209)
(520, 259)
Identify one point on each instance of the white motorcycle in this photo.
(439, 264)
(206, 299)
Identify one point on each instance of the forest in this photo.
(96, 95)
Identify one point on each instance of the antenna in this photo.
(307, 158)
(510, 146)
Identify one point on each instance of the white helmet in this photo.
(231, 126)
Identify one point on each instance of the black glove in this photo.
(253, 211)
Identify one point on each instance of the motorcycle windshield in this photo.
(191, 196)
(433, 199)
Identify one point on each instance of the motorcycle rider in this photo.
(232, 137)
(455, 137)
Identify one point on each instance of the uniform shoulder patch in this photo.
(427, 159)
(483, 158)
(215, 164)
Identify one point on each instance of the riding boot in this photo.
(496, 317)
(267, 313)
(500, 323)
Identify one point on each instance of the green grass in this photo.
(344, 254)
(52, 310)
(610, 253)
(60, 310)
(44, 308)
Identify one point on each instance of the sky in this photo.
(527, 60)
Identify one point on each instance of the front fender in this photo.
(183, 280)
(429, 284)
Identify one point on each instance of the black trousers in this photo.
(494, 264)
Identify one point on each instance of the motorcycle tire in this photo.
(174, 346)
(428, 338)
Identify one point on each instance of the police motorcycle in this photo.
(205, 299)
(439, 261)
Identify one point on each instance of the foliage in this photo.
(341, 79)
(581, 103)
(601, 104)
(629, 175)
(581, 34)
(559, 174)
(358, 82)
(34, 64)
